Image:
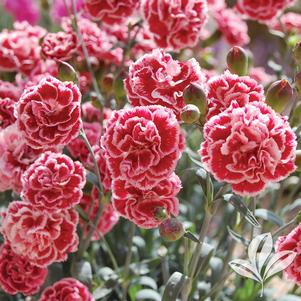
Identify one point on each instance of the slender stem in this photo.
(196, 255)
(87, 57)
(284, 227)
(128, 261)
(253, 203)
(89, 147)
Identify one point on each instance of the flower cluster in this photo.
(142, 147)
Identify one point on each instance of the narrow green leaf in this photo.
(174, 286)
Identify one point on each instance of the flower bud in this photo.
(119, 87)
(298, 159)
(296, 117)
(279, 95)
(297, 53)
(160, 213)
(190, 114)
(237, 61)
(171, 229)
(194, 94)
(106, 83)
(298, 82)
(67, 72)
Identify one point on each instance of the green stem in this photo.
(87, 57)
(284, 227)
(128, 262)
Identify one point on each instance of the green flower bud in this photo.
(190, 114)
(107, 83)
(171, 229)
(194, 94)
(237, 61)
(279, 95)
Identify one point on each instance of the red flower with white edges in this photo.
(142, 206)
(67, 289)
(216, 4)
(15, 157)
(262, 10)
(232, 27)
(175, 24)
(108, 219)
(143, 145)
(99, 44)
(18, 275)
(9, 94)
(111, 11)
(60, 45)
(249, 147)
(20, 49)
(53, 182)
(224, 89)
(39, 236)
(77, 147)
(291, 242)
(157, 79)
(49, 114)
(105, 174)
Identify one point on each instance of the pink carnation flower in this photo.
(41, 237)
(259, 74)
(20, 49)
(60, 45)
(262, 10)
(249, 147)
(18, 275)
(67, 289)
(233, 28)
(157, 78)
(108, 219)
(142, 206)
(49, 114)
(23, 10)
(143, 145)
(224, 89)
(53, 182)
(111, 11)
(59, 10)
(290, 22)
(100, 45)
(15, 157)
(9, 94)
(291, 242)
(175, 25)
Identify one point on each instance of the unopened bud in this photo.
(119, 87)
(190, 114)
(195, 94)
(237, 61)
(279, 95)
(298, 82)
(297, 53)
(67, 72)
(160, 213)
(296, 117)
(298, 159)
(107, 83)
(171, 229)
